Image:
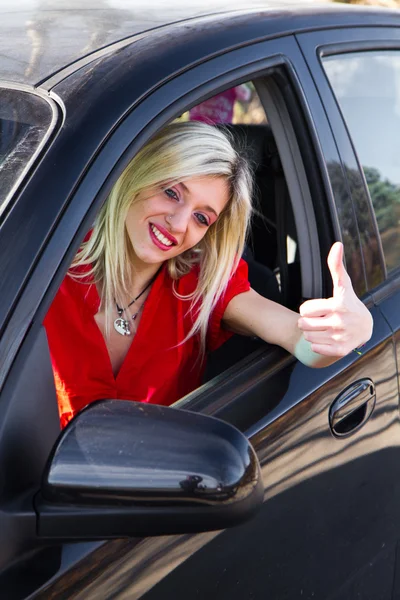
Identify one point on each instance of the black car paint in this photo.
(329, 525)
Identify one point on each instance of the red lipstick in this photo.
(163, 232)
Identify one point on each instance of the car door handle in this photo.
(352, 408)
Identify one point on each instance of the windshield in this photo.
(25, 121)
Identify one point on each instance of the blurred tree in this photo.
(385, 197)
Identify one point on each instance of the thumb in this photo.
(340, 278)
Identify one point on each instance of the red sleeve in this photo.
(238, 284)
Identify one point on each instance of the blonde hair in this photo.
(179, 152)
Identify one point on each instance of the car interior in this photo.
(272, 250)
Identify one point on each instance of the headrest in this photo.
(256, 141)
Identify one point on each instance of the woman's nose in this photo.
(179, 220)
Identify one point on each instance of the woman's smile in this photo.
(161, 238)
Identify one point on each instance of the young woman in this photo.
(159, 281)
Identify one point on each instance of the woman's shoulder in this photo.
(76, 290)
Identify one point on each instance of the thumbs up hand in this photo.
(336, 325)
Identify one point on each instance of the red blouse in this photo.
(156, 368)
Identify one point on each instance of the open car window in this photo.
(273, 251)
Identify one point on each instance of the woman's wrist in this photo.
(305, 354)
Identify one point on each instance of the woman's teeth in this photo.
(160, 236)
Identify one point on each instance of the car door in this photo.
(328, 524)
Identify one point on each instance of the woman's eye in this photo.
(171, 193)
(202, 219)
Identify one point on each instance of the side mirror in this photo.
(125, 469)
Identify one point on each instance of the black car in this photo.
(87, 513)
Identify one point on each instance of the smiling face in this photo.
(174, 219)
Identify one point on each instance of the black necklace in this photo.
(121, 325)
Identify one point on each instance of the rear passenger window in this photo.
(367, 88)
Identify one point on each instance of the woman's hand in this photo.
(326, 330)
(336, 325)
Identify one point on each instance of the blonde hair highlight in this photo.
(179, 152)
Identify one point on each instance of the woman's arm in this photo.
(325, 330)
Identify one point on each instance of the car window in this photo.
(367, 88)
(271, 252)
(25, 119)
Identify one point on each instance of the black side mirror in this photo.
(131, 469)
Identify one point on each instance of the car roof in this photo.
(40, 37)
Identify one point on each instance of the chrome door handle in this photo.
(352, 408)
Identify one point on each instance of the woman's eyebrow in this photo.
(206, 207)
(210, 209)
(186, 189)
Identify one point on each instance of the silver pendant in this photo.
(122, 326)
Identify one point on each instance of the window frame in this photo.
(297, 182)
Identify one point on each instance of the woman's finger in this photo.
(318, 307)
(334, 322)
(323, 337)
